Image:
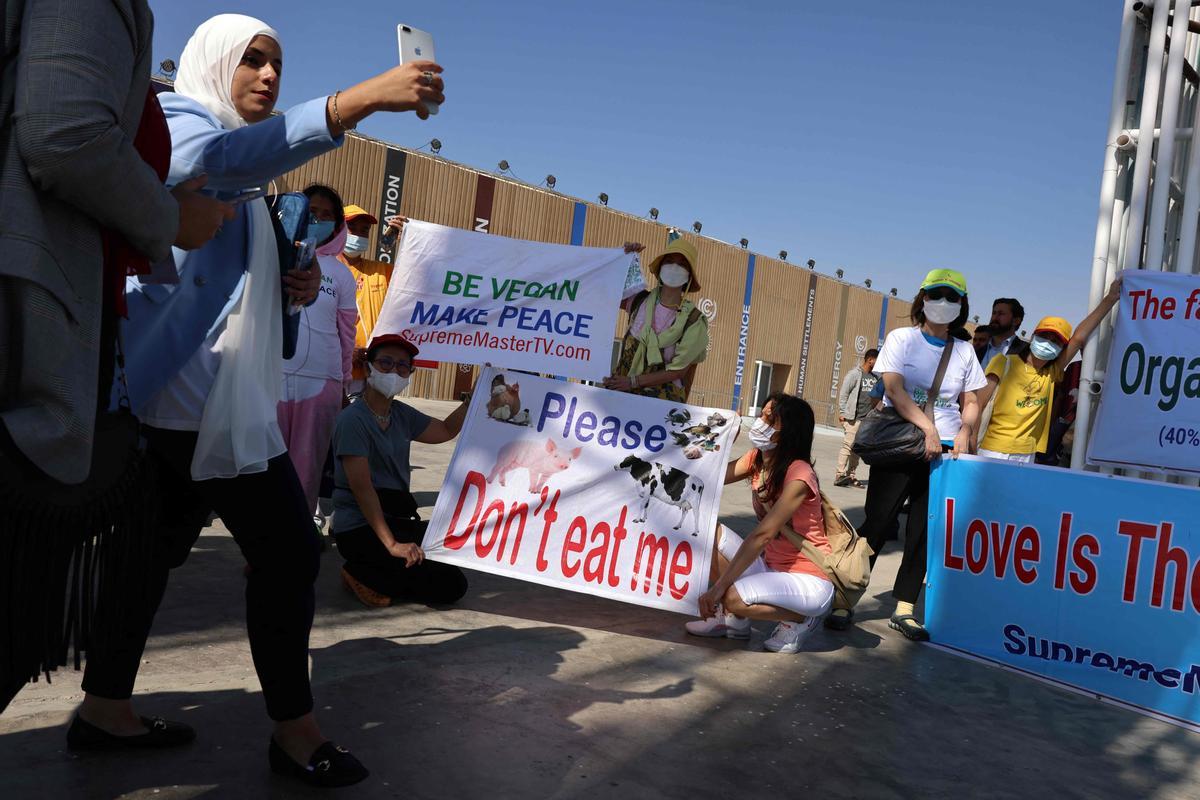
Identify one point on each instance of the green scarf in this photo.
(651, 344)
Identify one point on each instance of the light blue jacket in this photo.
(168, 322)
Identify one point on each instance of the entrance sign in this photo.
(474, 298)
(585, 489)
(1149, 415)
(1088, 581)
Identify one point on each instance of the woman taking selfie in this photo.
(204, 364)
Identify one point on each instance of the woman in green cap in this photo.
(667, 335)
(908, 364)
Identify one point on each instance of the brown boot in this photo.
(366, 595)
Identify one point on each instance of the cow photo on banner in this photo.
(585, 489)
(475, 298)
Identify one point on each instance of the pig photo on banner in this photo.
(585, 489)
(477, 298)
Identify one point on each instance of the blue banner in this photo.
(1087, 580)
(743, 337)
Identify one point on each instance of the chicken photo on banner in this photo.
(585, 489)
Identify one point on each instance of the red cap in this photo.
(392, 339)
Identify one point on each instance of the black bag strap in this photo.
(931, 399)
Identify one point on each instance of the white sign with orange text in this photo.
(585, 489)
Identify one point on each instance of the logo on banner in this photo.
(860, 344)
(584, 489)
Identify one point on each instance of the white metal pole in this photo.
(1108, 185)
(1172, 90)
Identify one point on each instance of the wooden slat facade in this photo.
(441, 191)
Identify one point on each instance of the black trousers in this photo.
(268, 516)
(369, 562)
(886, 491)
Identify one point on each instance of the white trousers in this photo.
(804, 594)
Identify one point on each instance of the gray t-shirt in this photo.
(358, 434)
(864, 395)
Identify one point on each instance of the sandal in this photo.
(839, 619)
(365, 594)
(857, 484)
(910, 626)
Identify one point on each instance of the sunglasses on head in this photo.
(943, 293)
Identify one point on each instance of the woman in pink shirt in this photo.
(766, 576)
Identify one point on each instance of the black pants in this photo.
(369, 562)
(268, 516)
(886, 491)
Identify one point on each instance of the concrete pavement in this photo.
(527, 692)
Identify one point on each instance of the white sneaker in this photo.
(722, 624)
(789, 636)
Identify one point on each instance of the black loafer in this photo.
(329, 766)
(83, 735)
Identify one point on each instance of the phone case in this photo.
(289, 217)
(416, 45)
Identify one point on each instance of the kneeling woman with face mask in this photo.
(375, 522)
(1024, 384)
(766, 576)
(667, 335)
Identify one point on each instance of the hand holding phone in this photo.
(306, 252)
(416, 46)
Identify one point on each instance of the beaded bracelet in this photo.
(337, 117)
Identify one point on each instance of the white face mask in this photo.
(355, 245)
(388, 384)
(761, 435)
(674, 275)
(941, 312)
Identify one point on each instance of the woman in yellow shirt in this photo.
(1024, 384)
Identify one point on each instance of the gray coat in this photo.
(74, 84)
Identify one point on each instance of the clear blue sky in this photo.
(883, 137)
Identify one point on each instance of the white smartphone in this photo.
(416, 45)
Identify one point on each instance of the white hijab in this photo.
(239, 430)
(210, 58)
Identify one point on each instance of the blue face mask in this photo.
(320, 230)
(1045, 349)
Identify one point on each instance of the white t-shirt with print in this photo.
(909, 354)
(318, 347)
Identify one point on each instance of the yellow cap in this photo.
(945, 277)
(686, 249)
(353, 211)
(1057, 326)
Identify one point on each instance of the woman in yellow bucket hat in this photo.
(667, 335)
(1023, 384)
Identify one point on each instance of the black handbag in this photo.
(886, 439)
